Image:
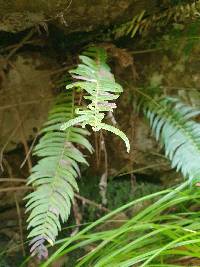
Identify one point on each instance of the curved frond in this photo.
(95, 77)
(171, 122)
(117, 132)
(54, 176)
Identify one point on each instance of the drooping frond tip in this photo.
(171, 122)
(94, 76)
(54, 176)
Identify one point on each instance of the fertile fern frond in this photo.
(54, 176)
(96, 79)
(171, 122)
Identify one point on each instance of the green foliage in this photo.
(150, 234)
(143, 24)
(171, 122)
(152, 237)
(54, 176)
(96, 79)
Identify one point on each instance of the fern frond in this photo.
(171, 122)
(96, 79)
(54, 176)
(140, 24)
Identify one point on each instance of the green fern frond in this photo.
(171, 122)
(140, 24)
(54, 176)
(96, 79)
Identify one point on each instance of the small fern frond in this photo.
(54, 176)
(96, 79)
(171, 122)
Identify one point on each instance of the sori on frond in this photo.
(54, 176)
(171, 122)
(94, 76)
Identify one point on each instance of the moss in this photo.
(119, 192)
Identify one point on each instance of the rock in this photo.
(25, 95)
(72, 16)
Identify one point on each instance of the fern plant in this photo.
(54, 176)
(171, 122)
(94, 76)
